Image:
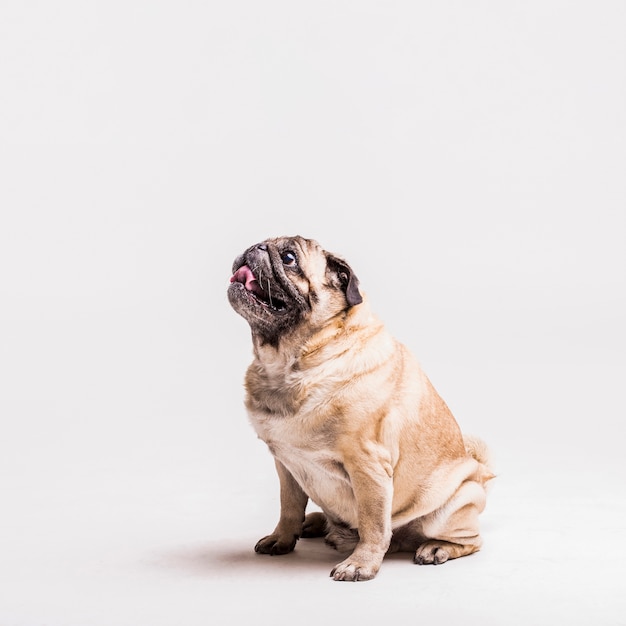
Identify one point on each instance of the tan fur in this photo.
(356, 426)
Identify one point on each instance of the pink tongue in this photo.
(245, 276)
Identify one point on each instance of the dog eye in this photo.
(289, 258)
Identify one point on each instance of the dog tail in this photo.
(479, 450)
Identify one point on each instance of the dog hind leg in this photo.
(452, 531)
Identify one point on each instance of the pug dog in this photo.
(352, 421)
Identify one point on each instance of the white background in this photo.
(467, 158)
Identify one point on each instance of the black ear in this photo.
(348, 281)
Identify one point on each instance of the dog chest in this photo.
(313, 463)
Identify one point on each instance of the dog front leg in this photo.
(293, 503)
(373, 490)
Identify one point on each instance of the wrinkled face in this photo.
(281, 284)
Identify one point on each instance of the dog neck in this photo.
(294, 350)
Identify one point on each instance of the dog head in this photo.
(285, 283)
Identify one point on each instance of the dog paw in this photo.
(342, 539)
(314, 526)
(431, 552)
(353, 571)
(276, 544)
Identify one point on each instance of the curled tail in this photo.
(478, 450)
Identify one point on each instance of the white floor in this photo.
(153, 522)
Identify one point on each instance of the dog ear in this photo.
(348, 281)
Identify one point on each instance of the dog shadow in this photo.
(215, 559)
